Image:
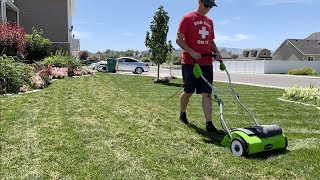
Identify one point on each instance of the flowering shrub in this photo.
(59, 73)
(12, 39)
(45, 73)
(308, 95)
(77, 72)
(86, 70)
(82, 71)
(37, 82)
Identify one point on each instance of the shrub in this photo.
(307, 95)
(45, 73)
(12, 40)
(37, 47)
(14, 74)
(164, 80)
(302, 71)
(83, 55)
(145, 59)
(59, 73)
(60, 60)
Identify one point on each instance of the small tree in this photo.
(83, 55)
(38, 47)
(157, 40)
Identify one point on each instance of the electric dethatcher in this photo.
(250, 140)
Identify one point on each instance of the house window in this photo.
(310, 58)
(254, 53)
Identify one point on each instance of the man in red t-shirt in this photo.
(196, 36)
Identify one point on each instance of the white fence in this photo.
(266, 66)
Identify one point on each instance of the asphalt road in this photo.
(263, 80)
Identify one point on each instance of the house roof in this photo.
(305, 46)
(314, 36)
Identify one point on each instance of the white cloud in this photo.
(228, 21)
(81, 35)
(100, 23)
(127, 34)
(276, 2)
(236, 37)
(223, 22)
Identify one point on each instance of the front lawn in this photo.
(110, 126)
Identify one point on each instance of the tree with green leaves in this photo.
(156, 41)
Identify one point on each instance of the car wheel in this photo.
(138, 70)
(238, 147)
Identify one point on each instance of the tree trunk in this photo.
(158, 70)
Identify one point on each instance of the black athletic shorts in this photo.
(197, 84)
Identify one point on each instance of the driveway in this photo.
(263, 80)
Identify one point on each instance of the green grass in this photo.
(113, 127)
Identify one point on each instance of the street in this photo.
(279, 81)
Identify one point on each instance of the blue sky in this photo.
(122, 25)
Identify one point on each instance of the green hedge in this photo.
(302, 71)
(14, 74)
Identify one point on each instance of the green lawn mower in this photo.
(250, 140)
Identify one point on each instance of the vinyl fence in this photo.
(266, 66)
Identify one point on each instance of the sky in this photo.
(122, 25)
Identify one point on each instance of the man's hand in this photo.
(195, 55)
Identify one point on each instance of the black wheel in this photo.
(238, 147)
(138, 70)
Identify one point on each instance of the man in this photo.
(196, 36)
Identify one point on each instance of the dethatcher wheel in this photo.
(238, 147)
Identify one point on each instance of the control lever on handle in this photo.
(222, 66)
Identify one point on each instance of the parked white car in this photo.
(99, 66)
(133, 65)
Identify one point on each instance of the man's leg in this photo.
(207, 106)
(207, 109)
(184, 100)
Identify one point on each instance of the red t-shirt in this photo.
(199, 34)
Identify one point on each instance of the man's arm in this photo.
(180, 41)
(216, 51)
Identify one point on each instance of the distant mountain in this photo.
(232, 50)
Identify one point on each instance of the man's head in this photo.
(206, 5)
(209, 3)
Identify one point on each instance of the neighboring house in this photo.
(299, 49)
(9, 11)
(224, 54)
(257, 54)
(54, 17)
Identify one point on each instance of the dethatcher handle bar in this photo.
(198, 73)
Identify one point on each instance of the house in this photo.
(8, 11)
(54, 17)
(224, 54)
(307, 49)
(257, 54)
